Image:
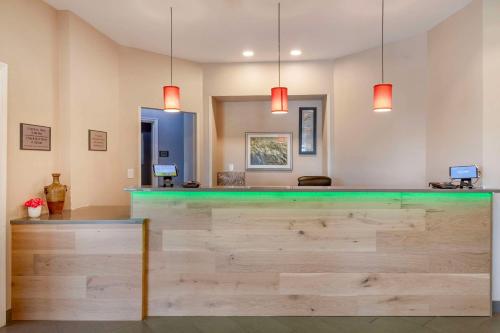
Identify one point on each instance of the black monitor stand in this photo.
(167, 182)
(466, 183)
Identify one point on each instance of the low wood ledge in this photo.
(88, 264)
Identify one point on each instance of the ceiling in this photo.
(219, 30)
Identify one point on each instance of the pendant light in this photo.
(382, 92)
(279, 94)
(171, 93)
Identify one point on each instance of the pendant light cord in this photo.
(171, 47)
(279, 45)
(383, 5)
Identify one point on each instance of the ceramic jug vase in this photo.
(56, 194)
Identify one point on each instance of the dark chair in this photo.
(315, 181)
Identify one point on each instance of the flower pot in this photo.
(34, 212)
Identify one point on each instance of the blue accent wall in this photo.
(170, 138)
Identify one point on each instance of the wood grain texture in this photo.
(77, 272)
(393, 254)
(353, 284)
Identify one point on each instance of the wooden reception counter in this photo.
(83, 265)
(316, 251)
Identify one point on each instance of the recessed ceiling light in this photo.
(295, 52)
(248, 53)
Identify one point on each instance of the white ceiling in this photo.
(219, 30)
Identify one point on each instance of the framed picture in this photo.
(35, 137)
(98, 140)
(268, 151)
(307, 130)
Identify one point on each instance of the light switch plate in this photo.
(130, 173)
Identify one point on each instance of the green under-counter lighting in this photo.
(307, 195)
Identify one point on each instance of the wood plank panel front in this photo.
(296, 254)
(77, 272)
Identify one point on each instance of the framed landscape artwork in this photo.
(307, 131)
(269, 151)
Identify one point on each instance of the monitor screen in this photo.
(463, 172)
(165, 170)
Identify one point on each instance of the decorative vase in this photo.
(34, 212)
(56, 194)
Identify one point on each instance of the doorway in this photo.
(167, 139)
(147, 154)
(3, 193)
(149, 147)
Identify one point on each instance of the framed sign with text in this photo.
(35, 137)
(98, 140)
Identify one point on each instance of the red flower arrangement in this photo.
(34, 203)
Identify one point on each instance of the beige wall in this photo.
(72, 87)
(438, 101)
(33, 92)
(3, 190)
(32, 98)
(56, 79)
(491, 89)
(387, 148)
(233, 119)
(142, 76)
(256, 79)
(110, 82)
(455, 118)
(107, 85)
(491, 121)
(92, 84)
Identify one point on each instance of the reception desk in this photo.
(316, 251)
(82, 265)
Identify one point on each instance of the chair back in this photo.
(315, 181)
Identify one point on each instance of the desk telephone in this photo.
(443, 185)
(191, 184)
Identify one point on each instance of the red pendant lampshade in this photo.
(171, 93)
(171, 98)
(382, 92)
(279, 100)
(382, 97)
(279, 94)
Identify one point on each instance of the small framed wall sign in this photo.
(98, 140)
(35, 137)
(307, 131)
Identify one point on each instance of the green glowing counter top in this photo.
(306, 189)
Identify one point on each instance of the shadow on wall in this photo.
(167, 138)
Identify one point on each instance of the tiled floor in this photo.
(267, 324)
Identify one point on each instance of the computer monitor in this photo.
(165, 170)
(465, 174)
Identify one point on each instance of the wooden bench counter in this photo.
(316, 252)
(83, 265)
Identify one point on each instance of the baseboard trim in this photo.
(496, 307)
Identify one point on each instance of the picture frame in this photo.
(98, 140)
(268, 151)
(307, 130)
(35, 137)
